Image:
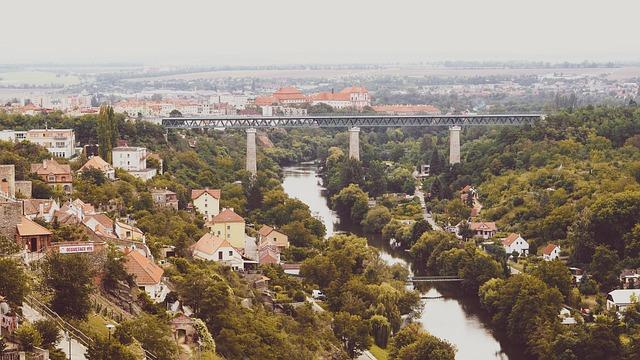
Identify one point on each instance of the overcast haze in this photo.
(328, 31)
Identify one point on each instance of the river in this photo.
(447, 314)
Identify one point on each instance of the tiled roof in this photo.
(32, 206)
(549, 249)
(354, 89)
(510, 239)
(27, 227)
(328, 96)
(144, 270)
(487, 226)
(196, 193)
(102, 219)
(50, 167)
(210, 243)
(227, 215)
(96, 162)
(265, 230)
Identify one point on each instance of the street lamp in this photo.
(110, 327)
(66, 333)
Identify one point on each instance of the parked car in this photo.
(318, 295)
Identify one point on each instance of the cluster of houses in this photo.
(226, 241)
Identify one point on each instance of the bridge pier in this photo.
(454, 144)
(354, 143)
(252, 166)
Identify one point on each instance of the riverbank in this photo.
(446, 312)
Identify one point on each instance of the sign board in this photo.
(74, 249)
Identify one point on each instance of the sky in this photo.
(265, 32)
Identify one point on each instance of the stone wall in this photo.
(10, 215)
(23, 188)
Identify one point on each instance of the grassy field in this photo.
(379, 353)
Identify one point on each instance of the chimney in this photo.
(44, 164)
(40, 210)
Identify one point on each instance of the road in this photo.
(77, 350)
(426, 214)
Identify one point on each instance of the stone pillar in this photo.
(251, 151)
(354, 143)
(454, 145)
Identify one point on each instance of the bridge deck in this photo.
(341, 121)
(433, 279)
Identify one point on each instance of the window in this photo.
(228, 236)
(230, 253)
(205, 205)
(52, 178)
(219, 255)
(228, 227)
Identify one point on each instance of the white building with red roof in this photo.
(551, 252)
(206, 202)
(483, 229)
(515, 242)
(146, 274)
(212, 248)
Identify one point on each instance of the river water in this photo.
(446, 314)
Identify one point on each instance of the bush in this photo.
(49, 332)
(28, 337)
(299, 296)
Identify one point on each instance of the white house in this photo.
(59, 142)
(213, 248)
(551, 252)
(515, 242)
(206, 202)
(619, 299)
(133, 160)
(146, 274)
(40, 208)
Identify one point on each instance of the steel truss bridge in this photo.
(348, 121)
(416, 279)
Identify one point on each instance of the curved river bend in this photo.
(446, 314)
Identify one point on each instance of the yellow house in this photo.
(268, 233)
(229, 226)
(206, 202)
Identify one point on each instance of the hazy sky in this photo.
(220, 32)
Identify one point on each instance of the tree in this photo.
(604, 267)
(93, 176)
(419, 227)
(28, 337)
(71, 278)
(351, 203)
(14, 283)
(413, 343)
(107, 132)
(103, 349)
(153, 333)
(555, 274)
(376, 179)
(377, 217)
(464, 230)
(175, 113)
(437, 163)
(353, 331)
(457, 211)
(114, 270)
(49, 332)
(380, 329)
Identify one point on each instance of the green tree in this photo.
(604, 267)
(377, 217)
(380, 329)
(14, 283)
(49, 332)
(351, 203)
(376, 179)
(153, 333)
(114, 270)
(103, 349)
(555, 274)
(107, 132)
(353, 331)
(28, 337)
(71, 278)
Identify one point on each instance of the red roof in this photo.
(510, 239)
(145, 271)
(487, 226)
(196, 193)
(549, 249)
(354, 89)
(227, 215)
